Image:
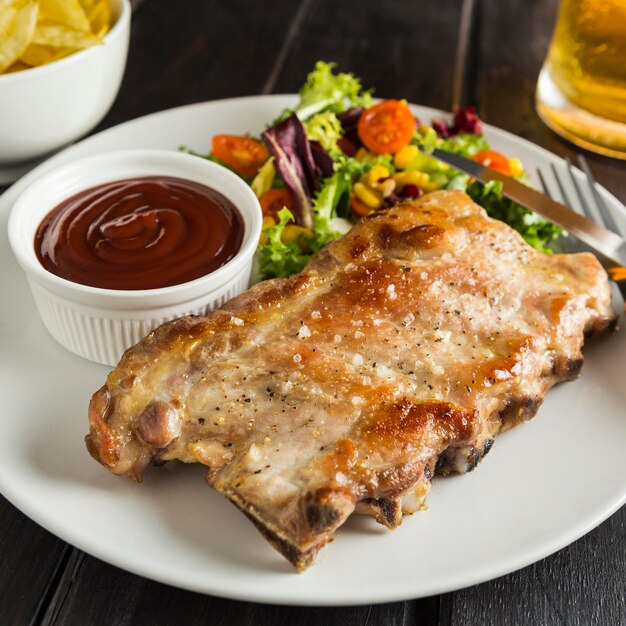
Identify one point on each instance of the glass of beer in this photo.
(581, 92)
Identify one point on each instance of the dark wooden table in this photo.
(486, 53)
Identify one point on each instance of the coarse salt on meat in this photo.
(438, 388)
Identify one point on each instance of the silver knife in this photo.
(609, 246)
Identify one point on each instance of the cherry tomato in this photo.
(273, 200)
(494, 160)
(359, 207)
(243, 154)
(386, 126)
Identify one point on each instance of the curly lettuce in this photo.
(324, 90)
(277, 257)
(325, 128)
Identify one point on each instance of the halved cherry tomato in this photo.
(243, 154)
(273, 200)
(494, 160)
(386, 126)
(359, 207)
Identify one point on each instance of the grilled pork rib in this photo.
(404, 345)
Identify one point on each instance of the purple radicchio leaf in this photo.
(293, 159)
(323, 161)
(349, 122)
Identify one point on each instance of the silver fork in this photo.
(595, 210)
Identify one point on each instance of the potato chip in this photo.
(17, 32)
(60, 53)
(10, 5)
(7, 16)
(99, 17)
(18, 66)
(36, 32)
(38, 55)
(51, 34)
(70, 13)
(88, 5)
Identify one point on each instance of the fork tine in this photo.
(599, 214)
(606, 214)
(564, 194)
(542, 181)
(579, 192)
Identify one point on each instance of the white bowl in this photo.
(100, 324)
(43, 108)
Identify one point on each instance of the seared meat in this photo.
(405, 345)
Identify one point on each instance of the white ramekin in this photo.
(100, 324)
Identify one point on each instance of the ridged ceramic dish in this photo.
(100, 324)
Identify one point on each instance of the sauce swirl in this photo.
(140, 233)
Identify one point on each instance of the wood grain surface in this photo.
(483, 52)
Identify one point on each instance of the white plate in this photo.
(543, 485)
(10, 173)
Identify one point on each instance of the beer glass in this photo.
(581, 92)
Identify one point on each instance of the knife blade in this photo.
(610, 247)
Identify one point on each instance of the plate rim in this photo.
(249, 594)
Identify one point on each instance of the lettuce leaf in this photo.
(464, 144)
(325, 206)
(325, 90)
(326, 129)
(277, 258)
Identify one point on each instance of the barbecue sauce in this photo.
(140, 233)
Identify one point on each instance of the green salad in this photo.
(338, 155)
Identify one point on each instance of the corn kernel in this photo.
(368, 196)
(372, 177)
(437, 181)
(516, 167)
(386, 187)
(361, 153)
(433, 186)
(404, 156)
(292, 232)
(420, 179)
